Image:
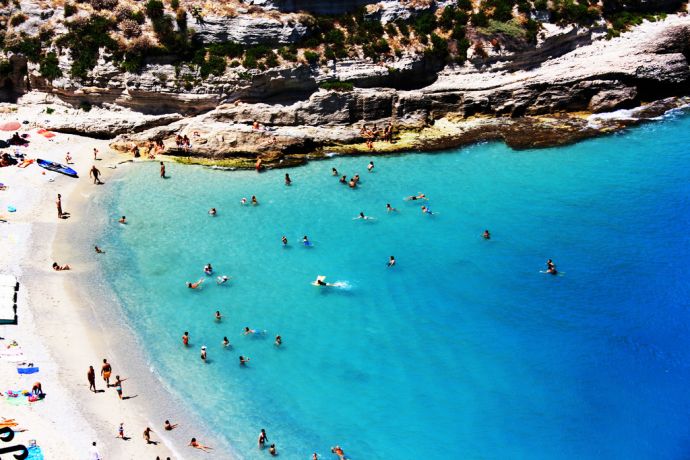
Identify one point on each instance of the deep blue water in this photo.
(463, 349)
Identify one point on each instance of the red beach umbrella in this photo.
(10, 126)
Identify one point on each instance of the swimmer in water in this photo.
(203, 353)
(212, 212)
(371, 166)
(486, 235)
(343, 180)
(222, 279)
(195, 285)
(288, 181)
(99, 250)
(243, 360)
(284, 240)
(356, 178)
(419, 196)
(226, 342)
(197, 445)
(219, 317)
(279, 341)
(363, 217)
(391, 261)
(334, 172)
(254, 200)
(337, 450)
(208, 269)
(352, 183)
(390, 208)
(243, 201)
(248, 331)
(426, 210)
(305, 241)
(122, 220)
(551, 267)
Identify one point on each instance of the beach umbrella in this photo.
(10, 126)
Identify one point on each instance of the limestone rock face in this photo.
(247, 30)
(613, 99)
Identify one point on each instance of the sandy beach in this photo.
(64, 326)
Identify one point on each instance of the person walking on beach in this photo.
(121, 431)
(58, 203)
(105, 372)
(91, 377)
(162, 170)
(93, 452)
(118, 386)
(95, 173)
(147, 436)
(95, 153)
(263, 438)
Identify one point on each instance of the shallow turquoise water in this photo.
(463, 349)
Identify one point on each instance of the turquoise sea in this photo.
(463, 349)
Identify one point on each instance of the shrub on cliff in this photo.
(69, 9)
(502, 9)
(312, 57)
(425, 23)
(29, 47)
(289, 54)
(49, 68)
(18, 19)
(85, 38)
(181, 18)
(5, 68)
(336, 85)
(462, 47)
(479, 19)
(104, 4)
(438, 49)
(123, 12)
(174, 4)
(214, 65)
(154, 9)
(569, 11)
(130, 28)
(229, 49)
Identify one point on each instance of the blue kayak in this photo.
(57, 167)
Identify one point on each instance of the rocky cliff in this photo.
(567, 70)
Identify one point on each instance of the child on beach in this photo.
(121, 431)
(118, 386)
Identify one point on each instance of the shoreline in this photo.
(63, 329)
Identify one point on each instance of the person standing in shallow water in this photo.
(263, 438)
(486, 235)
(288, 181)
(185, 338)
(162, 170)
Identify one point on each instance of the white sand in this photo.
(60, 329)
